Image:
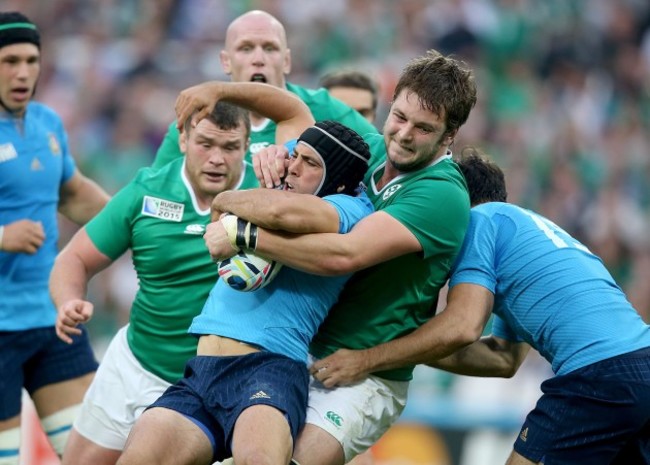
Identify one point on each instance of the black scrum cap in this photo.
(16, 28)
(345, 156)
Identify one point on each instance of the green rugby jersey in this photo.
(393, 298)
(322, 105)
(157, 217)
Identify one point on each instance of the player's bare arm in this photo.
(461, 323)
(74, 266)
(81, 198)
(274, 209)
(375, 239)
(489, 356)
(289, 112)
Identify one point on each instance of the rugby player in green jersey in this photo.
(401, 254)
(161, 217)
(256, 50)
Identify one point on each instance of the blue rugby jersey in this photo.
(283, 316)
(34, 163)
(550, 290)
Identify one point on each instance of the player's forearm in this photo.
(278, 210)
(81, 203)
(68, 279)
(460, 324)
(321, 254)
(486, 358)
(427, 344)
(282, 106)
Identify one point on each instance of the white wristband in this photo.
(230, 225)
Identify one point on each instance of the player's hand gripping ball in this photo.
(247, 272)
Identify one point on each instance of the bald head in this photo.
(256, 20)
(256, 49)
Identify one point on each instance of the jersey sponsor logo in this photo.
(334, 418)
(259, 395)
(197, 229)
(55, 147)
(36, 165)
(7, 152)
(163, 209)
(257, 146)
(390, 191)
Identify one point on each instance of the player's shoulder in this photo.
(40, 111)
(168, 175)
(320, 102)
(492, 208)
(307, 95)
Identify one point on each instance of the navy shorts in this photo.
(35, 358)
(598, 414)
(215, 390)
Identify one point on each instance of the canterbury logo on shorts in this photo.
(334, 418)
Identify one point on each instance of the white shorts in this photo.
(356, 415)
(118, 395)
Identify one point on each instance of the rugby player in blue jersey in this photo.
(549, 292)
(37, 177)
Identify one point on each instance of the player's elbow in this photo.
(469, 333)
(338, 264)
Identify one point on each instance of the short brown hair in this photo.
(444, 86)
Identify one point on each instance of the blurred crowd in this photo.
(564, 93)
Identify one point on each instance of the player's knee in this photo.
(257, 457)
(10, 446)
(58, 425)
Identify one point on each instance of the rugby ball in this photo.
(247, 272)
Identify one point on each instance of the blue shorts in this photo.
(215, 390)
(598, 414)
(35, 358)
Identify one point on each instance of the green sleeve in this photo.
(169, 149)
(111, 229)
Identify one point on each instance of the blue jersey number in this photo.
(553, 231)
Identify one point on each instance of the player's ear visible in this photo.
(449, 137)
(225, 62)
(340, 189)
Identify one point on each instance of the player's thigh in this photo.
(355, 416)
(269, 426)
(79, 450)
(51, 398)
(315, 446)
(121, 391)
(9, 423)
(164, 437)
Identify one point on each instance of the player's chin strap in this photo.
(242, 234)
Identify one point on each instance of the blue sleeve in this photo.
(351, 209)
(476, 262)
(501, 329)
(290, 145)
